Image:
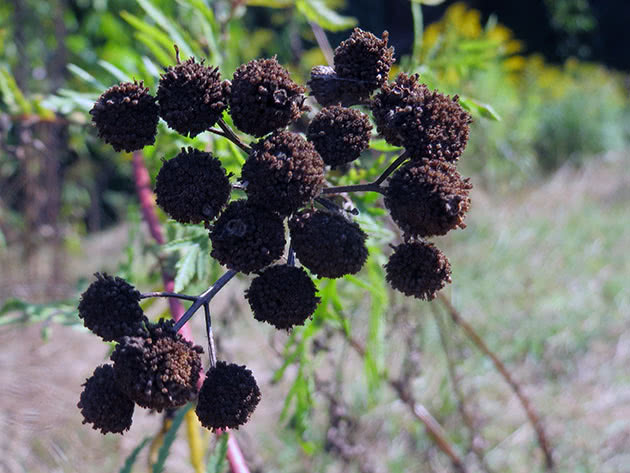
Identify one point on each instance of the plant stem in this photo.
(185, 297)
(212, 353)
(230, 135)
(531, 413)
(374, 186)
(322, 42)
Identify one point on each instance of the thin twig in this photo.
(532, 415)
(204, 298)
(217, 132)
(185, 297)
(230, 135)
(212, 353)
(322, 42)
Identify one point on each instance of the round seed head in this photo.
(364, 61)
(428, 124)
(247, 238)
(428, 198)
(418, 269)
(126, 116)
(103, 404)
(282, 296)
(191, 97)
(283, 172)
(109, 307)
(339, 134)
(228, 397)
(158, 370)
(192, 187)
(330, 89)
(327, 243)
(263, 97)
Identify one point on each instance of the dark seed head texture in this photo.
(330, 89)
(228, 397)
(418, 269)
(327, 243)
(428, 124)
(192, 187)
(159, 370)
(339, 134)
(109, 307)
(283, 296)
(247, 238)
(263, 97)
(103, 404)
(364, 61)
(126, 116)
(283, 172)
(428, 198)
(191, 97)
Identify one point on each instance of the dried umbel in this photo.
(263, 97)
(126, 116)
(109, 307)
(228, 397)
(192, 187)
(191, 97)
(283, 172)
(159, 370)
(428, 198)
(283, 296)
(418, 269)
(339, 134)
(103, 404)
(247, 238)
(364, 61)
(428, 124)
(327, 243)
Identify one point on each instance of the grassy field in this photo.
(541, 273)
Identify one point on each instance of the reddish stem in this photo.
(147, 205)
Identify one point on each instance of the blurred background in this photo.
(541, 272)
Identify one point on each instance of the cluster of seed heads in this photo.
(284, 177)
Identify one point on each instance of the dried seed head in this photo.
(283, 296)
(418, 269)
(364, 61)
(263, 97)
(103, 404)
(159, 370)
(428, 198)
(228, 397)
(339, 134)
(330, 89)
(428, 124)
(327, 243)
(126, 116)
(109, 307)
(283, 172)
(247, 238)
(192, 187)
(191, 97)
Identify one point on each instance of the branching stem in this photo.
(175, 295)
(212, 352)
(230, 135)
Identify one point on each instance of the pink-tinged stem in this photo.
(147, 205)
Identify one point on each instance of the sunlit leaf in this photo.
(317, 12)
(217, 461)
(169, 438)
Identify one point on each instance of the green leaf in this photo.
(169, 438)
(216, 462)
(382, 145)
(270, 3)
(186, 269)
(167, 25)
(161, 55)
(12, 94)
(479, 109)
(418, 31)
(430, 3)
(86, 76)
(150, 30)
(115, 71)
(317, 12)
(131, 459)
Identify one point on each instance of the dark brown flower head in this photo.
(264, 98)
(103, 404)
(364, 61)
(283, 296)
(418, 269)
(126, 116)
(428, 198)
(327, 243)
(428, 124)
(228, 397)
(158, 370)
(339, 134)
(283, 172)
(192, 187)
(191, 97)
(247, 238)
(109, 307)
(330, 89)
